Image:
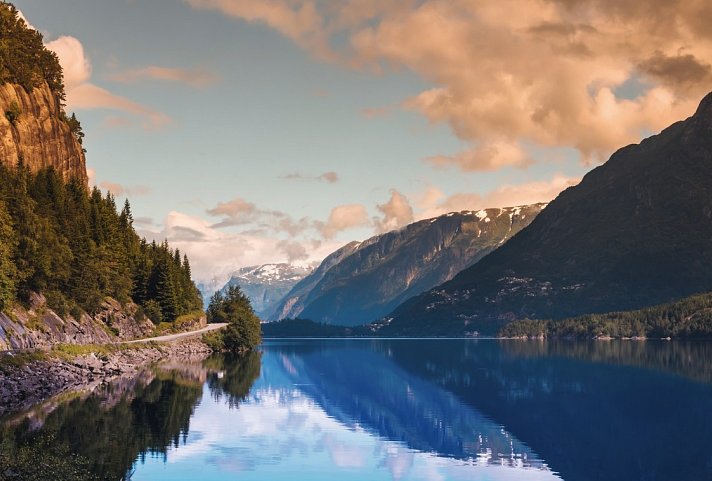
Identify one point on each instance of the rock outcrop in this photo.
(34, 132)
(40, 327)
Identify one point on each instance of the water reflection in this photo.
(388, 410)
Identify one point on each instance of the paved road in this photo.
(182, 335)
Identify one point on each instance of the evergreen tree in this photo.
(8, 243)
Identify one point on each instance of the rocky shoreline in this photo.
(23, 386)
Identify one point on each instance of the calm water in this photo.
(396, 410)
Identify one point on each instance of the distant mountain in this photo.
(382, 272)
(208, 288)
(293, 303)
(266, 285)
(637, 231)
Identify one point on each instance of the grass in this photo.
(19, 360)
(67, 352)
(177, 326)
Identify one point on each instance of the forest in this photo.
(76, 248)
(23, 58)
(690, 317)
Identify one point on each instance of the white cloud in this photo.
(82, 94)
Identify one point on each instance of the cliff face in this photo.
(40, 327)
(38, 135)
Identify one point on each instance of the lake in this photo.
(393, 410)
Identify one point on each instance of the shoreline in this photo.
(28, 383)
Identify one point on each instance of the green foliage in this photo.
(42, 459)
(8, 246)
(73, 246)
(13, 112)
(24, 60)
(233, 307)
(688, 318)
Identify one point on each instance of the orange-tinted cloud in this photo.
(508, 73)
(397, 212)
(196, 77)
(433, 202)
(83, 94)
(342, 218)
(123, 190)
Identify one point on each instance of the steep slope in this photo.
(635, 232)
(266, 285)
(39, 137)
(292, 304)
(390, 268)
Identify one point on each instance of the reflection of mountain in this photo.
(589, 420)
(362, 387)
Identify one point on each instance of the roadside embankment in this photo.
(30, 377)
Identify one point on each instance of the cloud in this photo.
(215, 253)
(507, 74)
(82, 94)
(433, 202)
(299, 21)
(397, 212)
(235, 212)
(330, 177)
(129, 191)
(295, 251)
(342, 218)
(485, 157)
(196, 77)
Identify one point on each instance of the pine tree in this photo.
(8, 244)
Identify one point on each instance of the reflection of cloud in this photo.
(344, 455)
(278, 427)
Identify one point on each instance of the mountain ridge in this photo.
(635, 232)
(386, 269)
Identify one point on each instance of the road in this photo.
(182, 335)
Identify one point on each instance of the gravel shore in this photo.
(28, 384)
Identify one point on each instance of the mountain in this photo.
(266, 285)
(293, 303)
(634, 233)
(387, 269)
(35, 131)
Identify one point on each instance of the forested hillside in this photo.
(76, 248)
(688, 318)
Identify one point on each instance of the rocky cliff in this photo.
(34, 132)
(39, 327)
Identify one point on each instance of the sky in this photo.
(256, 131)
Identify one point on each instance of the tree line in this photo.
(24, 60)
(690, 317)
(76, 248)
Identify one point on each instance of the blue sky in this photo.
(249, 132)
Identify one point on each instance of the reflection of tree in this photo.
(690, 359)
(41, 460)
(102, 436)
(109, 440)
(233, 376)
